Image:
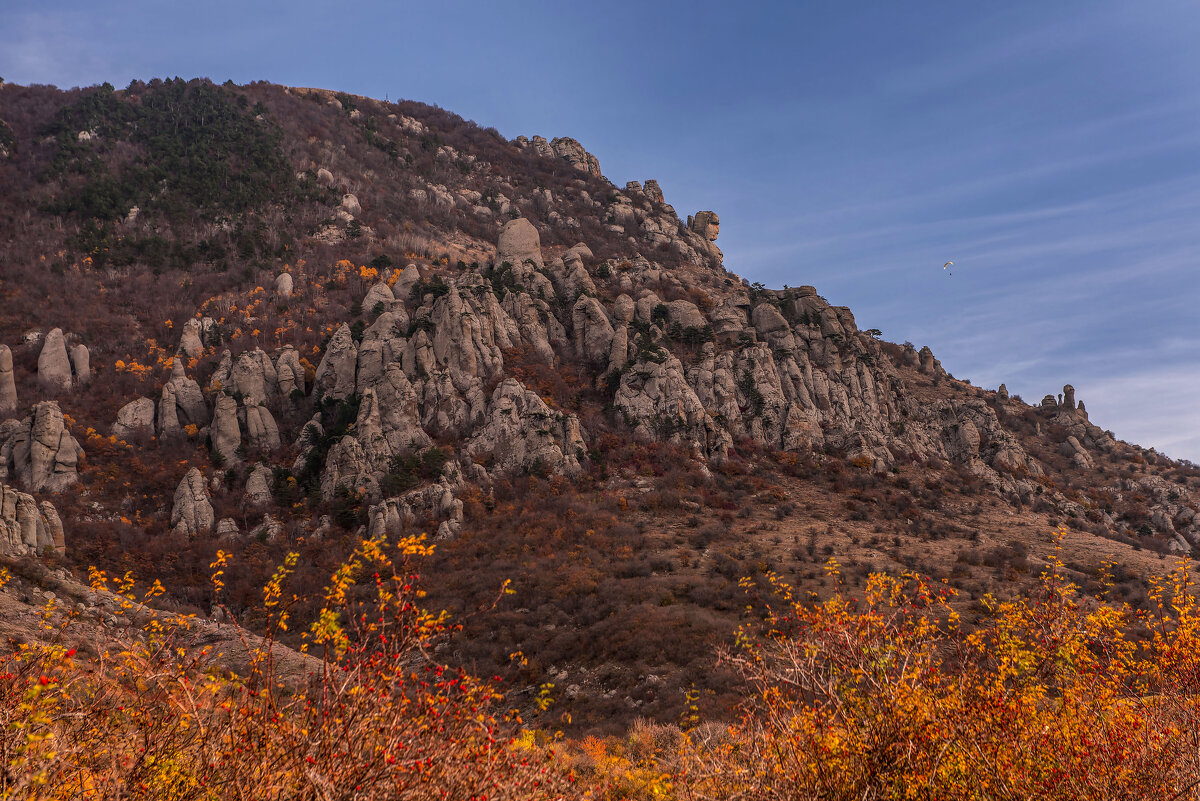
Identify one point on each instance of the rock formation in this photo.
(335, 374)
(190, 342)
(54, 366)
(192, 512)
(258, 486)
(137, 416)
(81, 363)
(182, 403)
(27, 528)
(522, 432)
(224, 433)
(39, 451)
(8, 384)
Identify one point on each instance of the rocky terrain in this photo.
(380, 318)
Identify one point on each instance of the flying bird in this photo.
(946, 266)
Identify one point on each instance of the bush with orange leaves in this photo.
(157, 717)
(1052, 696)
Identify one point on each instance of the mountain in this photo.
(266, 320)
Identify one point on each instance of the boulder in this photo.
(350, 204)
(409, 277)
(81, 363)
(379, 294)
(134, 417)
(192, 512)
(54, 366)
(519, 241)
(654, 191)
(283, 285)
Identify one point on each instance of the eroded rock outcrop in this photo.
(522, 432)
(192, 511)
(39, 451)
(336, 372)
(182, 403)
(54, 366)
(224, 433)
(8, 383)
(27, 527)
(135, 417)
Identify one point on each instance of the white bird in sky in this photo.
(946, 266)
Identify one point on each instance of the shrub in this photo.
(1051, 697)
(158, 717)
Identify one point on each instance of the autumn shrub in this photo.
(156, 715)
(1049, 696)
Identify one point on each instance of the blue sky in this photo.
(1051, 150)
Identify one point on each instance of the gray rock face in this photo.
(8, 383)
(657, 401)
(54, 367)
(40, 452)
(521, 431)
(81, 363)
(399, 515)
(135, 417)
(284, 285)
(192, 512)
(27, 528)
(336, 372)
(224, 432)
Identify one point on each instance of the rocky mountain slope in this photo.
(269, 319)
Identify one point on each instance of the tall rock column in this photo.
(54, 367)
(8, 383)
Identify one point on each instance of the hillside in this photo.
(266, 319)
